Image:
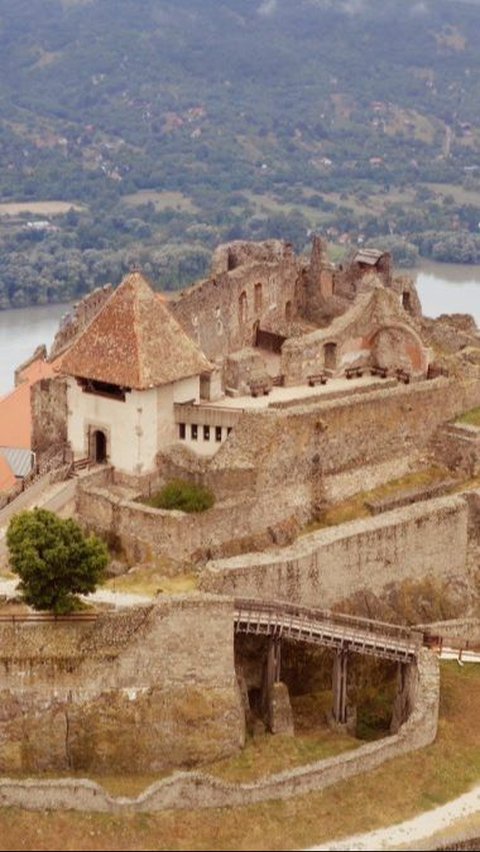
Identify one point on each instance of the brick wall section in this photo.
(144, 690)
(197, 790)
(325, 567)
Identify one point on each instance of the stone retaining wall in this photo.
(325, 567)
(142, 690)
(194, 790)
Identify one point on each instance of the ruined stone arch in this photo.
(397, 345)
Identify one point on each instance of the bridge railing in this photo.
(395, 632)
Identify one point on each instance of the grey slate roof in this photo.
(19, 461)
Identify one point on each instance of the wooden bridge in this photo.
(344, 633)
(331, 630)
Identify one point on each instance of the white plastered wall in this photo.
(131, 427)
(185, 390)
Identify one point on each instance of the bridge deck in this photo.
(327, 629)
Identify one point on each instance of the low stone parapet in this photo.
(195, 790)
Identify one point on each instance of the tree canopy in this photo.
(54, 559)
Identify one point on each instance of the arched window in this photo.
(242, 307)
(258, 298)
(407, 301)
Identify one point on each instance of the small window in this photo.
(229, 430)
(206, 433)
(258, 298)
(194, 432)
(182, 429)
(242, 307)
(218, 433)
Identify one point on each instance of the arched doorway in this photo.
(330, 356)
(99, 446)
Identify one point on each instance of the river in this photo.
(443, 288)
(21, 331)
(448, 288)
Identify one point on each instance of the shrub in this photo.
(183, 496)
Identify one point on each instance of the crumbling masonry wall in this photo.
(325, 567)
(143, 690)
(193, 790)
(48, 402)
(222, 314)
(288, 461)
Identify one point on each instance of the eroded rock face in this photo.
(150, 689)
(451, 333)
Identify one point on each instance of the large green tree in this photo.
(54, 559)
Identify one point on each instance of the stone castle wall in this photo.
(288, 462)
(222, 314)
(325, 567)
(295, 449)
(138, 691)
(48, 402)
(144, 533)
(195, 790)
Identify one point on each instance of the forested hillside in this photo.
(171, 125)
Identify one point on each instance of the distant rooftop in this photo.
(368, 255)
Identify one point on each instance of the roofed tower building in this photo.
(125, 372)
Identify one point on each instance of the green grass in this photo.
(161, 200)
(356, 507)
(181, 496)
(472, 418)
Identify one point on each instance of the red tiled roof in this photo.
(7, 479)
(15, 413)
(134, 341)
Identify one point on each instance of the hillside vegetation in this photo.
(175, 126)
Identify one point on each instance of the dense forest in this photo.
(149, 131)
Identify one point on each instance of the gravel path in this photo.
(407, 834)
(118, 599)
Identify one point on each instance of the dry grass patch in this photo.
(152, 580)
(265, 755)
(356, 507)
(42, 208)
(395, 792)
(472, 418)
